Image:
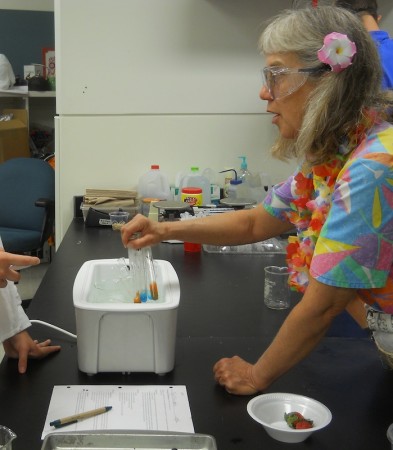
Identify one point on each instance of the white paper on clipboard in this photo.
(158, 408)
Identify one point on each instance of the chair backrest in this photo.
(22, 182)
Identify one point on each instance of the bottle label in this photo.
(192, 199)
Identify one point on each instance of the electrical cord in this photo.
(46, 324)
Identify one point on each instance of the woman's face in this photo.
(288, 109)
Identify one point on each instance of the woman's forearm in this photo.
(301, 332)
(234, 228)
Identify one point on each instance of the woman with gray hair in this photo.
(322, 85)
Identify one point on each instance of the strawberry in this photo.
(292, 417)
(303, 424)
(297, 421)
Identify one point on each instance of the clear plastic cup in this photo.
(276, 291)
(118, 219)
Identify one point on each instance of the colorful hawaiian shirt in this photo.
(355, 244)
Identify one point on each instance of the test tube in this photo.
(137, 268)
(125, 277)
(150, 273)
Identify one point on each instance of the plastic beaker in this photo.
(6, 438)
(118, 219)
(276, 292)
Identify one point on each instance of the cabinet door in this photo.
(152, 57)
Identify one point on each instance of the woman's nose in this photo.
(264, 93)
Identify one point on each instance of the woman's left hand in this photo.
(21, 346)
(235, 375)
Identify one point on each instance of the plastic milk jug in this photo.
(195, 179)
(154, 184)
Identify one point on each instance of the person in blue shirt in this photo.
(367, 10)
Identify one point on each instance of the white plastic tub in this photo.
(117, 335)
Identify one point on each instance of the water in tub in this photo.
(119, 283)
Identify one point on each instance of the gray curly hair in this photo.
(337, 104)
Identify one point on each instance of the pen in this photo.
(77, 417)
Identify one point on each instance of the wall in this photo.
(23, 36)
(173, 57)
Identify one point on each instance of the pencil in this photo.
(77, 417)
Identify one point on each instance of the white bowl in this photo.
(269, 410)
(390, 434)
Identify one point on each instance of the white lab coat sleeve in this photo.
(13, 318)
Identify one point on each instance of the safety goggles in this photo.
(283, 81)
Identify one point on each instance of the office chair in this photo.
(27, 205)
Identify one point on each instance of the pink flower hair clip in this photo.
(337, 51)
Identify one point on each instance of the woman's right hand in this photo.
(141, 232)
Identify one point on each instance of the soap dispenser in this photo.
(244, 173)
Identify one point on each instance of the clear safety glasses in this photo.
(283, 81)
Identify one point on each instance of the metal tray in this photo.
(269, 246)
(127, 440)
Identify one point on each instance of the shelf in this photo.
(18, 91)
(42, 93)
(40, 105)
(22, 91)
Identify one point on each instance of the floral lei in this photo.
(314, 189)
(309, 212)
